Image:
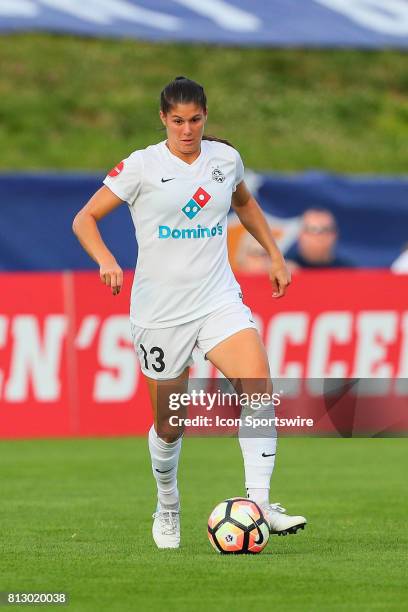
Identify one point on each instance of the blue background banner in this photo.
(315, 23)
(37, 210)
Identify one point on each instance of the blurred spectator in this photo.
(400, 265)
(316, 246)
(251, 257)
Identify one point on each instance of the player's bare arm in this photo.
(85, 227)
(253, 219)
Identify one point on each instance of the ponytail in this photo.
(214, 139)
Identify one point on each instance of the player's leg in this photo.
(241, 357)
(164, 447)
(165, 356)
(165, 439)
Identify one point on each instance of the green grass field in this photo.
(85, 104)
(75, 517)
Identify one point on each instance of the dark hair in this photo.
(185, 91)
(182, 91)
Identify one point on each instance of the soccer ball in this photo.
(237, 526)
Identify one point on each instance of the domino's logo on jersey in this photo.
(197, 202)
(191, 210)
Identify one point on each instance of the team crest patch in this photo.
(218, 176)
(117, 169)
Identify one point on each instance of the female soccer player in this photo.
(184, 293)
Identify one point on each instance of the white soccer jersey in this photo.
(180, 215)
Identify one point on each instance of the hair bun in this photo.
(180, 78)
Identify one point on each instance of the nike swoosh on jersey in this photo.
(265, 455)
(167, 180)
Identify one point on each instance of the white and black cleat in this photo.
(281, 523)
(166, 528)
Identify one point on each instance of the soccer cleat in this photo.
(166, 528)
(281, 523)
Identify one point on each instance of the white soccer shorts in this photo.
(164, 353)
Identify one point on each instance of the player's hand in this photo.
(111, 275)
(280, 277)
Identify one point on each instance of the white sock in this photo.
(165, 456)
(259, 461)
(259, 496)
(259, 456)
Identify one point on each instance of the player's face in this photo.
(185, 126)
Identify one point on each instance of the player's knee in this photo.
(259, 368)
(262, 373)
(260, 377)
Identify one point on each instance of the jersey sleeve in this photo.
(239, 171)
(126, 178)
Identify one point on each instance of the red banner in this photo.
(67, 365)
